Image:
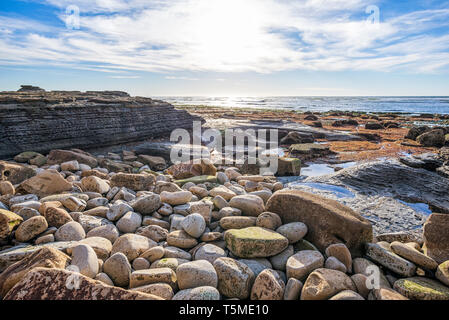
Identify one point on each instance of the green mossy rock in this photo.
(255, 242)
(26, 156)
(8, 221)
(197, 179)
(420, 288)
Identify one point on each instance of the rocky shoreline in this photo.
(39, 120)
(130, 225)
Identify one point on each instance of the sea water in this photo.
(407, 105)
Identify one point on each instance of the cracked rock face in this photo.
(45, 120)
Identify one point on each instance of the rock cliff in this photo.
(44, 120)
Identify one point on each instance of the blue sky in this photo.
(227, 47)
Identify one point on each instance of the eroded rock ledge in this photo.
(45, 120)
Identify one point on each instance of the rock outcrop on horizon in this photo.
(44, 120)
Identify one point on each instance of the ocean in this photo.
(406, 105)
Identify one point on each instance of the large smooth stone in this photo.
(254, 242)
(413, 255)
(44, 257)
(46, 183)
(41, 283)
(390, 260)
(327, 220)
(322, 284)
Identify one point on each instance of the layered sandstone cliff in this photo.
(42, 120)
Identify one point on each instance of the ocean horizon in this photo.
(375, 104)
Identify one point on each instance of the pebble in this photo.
(194, 224)
(154, 232)
(268, 220)
(162, 290)
(129, 222)
(292, 289)
(149, 276)
(140, 263)
(132, 245)
(174, 252)
(196, 274)
(250, 205)
(301, 264)
(176, 198)
(347, 295)
(108, 231)
(118, 268)
(71, 231)
(95, 184)
(222, 191)
(96, 202)
(232, 222)
(294, 231)
(335, 264)
(200, 293)
(413, 255)
(6, 188)
(390, 260)
(268, 286)
(279, 261)
(103, 277)
(146, 204)
(209, 252)
(85, 259)
(171, 263)
(27, 213)
(322, 284)
(31, 228)
(385, 294)
(165, 209)
(219, 202)
(101, 246)
(56, 217)
(341, 252)
(360, 282)
(235, 279)
(181, 239)
(45, 239)
(74, 204)
(153, 254)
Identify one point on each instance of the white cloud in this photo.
(230, 36)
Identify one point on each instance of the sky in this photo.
(227, 47)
